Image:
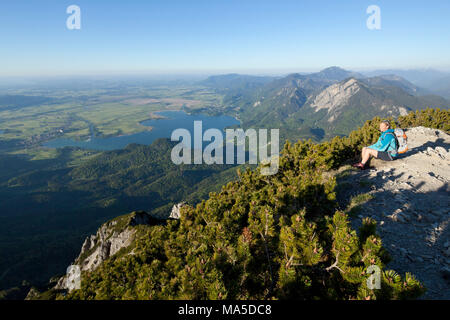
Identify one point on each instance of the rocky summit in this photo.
(409, 199)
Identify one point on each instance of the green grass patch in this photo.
(356, 203)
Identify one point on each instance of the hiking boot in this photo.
(359, 165)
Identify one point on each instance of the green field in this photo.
(79, 115)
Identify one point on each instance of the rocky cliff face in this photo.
(409, 198)
(110, 238)
(176, 210)
(348, 99)
(336, 96)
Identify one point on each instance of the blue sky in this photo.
(190, 36)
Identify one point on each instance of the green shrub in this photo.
(265, 237)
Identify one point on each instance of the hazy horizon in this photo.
(178, 37)
(200, 74)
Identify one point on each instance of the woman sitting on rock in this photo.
(384, 149)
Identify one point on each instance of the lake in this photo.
(161, 128)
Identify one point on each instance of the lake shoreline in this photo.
(161, 125)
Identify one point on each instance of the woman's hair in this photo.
(386, 122)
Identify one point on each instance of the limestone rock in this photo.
(175, 213)
(111, 237)
(336, 96)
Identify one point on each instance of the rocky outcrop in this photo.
(176, 210)
(110, 238)
(393, 110)
(409, 199)
(336, 96)
(33, 293)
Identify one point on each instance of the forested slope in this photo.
(264, 237)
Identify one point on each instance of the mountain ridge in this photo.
(289, 102)
(197, 221)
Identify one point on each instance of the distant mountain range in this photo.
(319, 105)
(434, 81)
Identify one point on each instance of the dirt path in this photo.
(410, 201)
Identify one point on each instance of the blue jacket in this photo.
(386, 142)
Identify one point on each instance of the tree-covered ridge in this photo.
(47, 207)
(264, 237)
(137, 177)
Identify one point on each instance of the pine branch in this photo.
(334, 265)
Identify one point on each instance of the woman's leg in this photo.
(367, 153)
